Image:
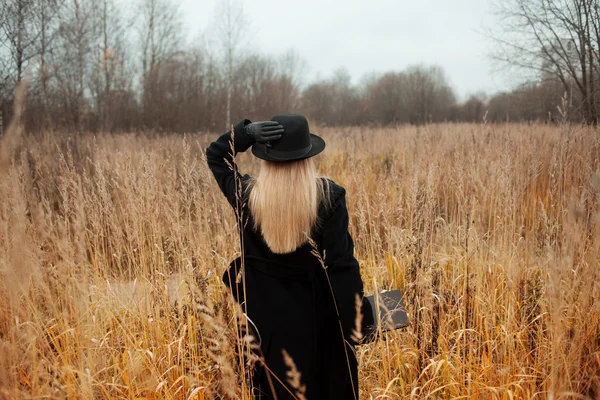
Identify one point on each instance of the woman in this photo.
(297, 280)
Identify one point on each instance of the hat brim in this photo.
(318, 145)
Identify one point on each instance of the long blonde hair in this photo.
(284, 202)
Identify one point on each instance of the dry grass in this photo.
(492, 231)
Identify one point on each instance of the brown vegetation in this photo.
(491, 231)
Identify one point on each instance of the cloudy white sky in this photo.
(366, 36)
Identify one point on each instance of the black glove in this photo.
(264, 132)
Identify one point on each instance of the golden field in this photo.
(112, 248)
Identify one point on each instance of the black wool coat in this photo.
(296, 304)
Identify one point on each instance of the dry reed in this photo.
(491, 230)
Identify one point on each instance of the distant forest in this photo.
(95, 65)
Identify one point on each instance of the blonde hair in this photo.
(284, 202)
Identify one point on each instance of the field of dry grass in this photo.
(112, 248)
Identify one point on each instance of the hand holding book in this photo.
(389, 314)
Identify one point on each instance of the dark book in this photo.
(389, 314)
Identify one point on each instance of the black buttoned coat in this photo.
(298, 303)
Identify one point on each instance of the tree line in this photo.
(95, 65)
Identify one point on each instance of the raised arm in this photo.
(221, 161)
(220, 156)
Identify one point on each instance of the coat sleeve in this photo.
(221, 162)
(343, 269)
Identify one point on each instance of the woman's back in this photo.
(302, 301)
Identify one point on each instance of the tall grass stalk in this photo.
(112, 248)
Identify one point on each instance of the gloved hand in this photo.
(264, 132)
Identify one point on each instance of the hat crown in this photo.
(296, 142)
(296, 133)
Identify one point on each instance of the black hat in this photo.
(297, 143)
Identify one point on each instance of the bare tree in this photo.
(473, 110)
(230, 24)
(27, 28)
(386, 101)
(556, 39)
(292, 69)
(335, 101)
(254, 92)
(291, 64)
(47, 11)
(5, 77)
(110, 49)
(417, 95)
(20, 33)
(428, 95)
(160, 37)
(70, 60)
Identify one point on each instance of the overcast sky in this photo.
(366, 36)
